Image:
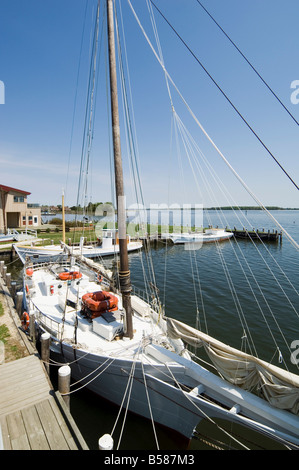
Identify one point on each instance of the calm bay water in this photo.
(261, 292)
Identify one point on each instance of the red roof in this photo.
(8, 188)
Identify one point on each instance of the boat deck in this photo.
(60, 321)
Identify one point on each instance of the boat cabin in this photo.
(110, 238)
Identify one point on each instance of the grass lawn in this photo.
(75, 236)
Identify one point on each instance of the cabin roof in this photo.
(8, 188)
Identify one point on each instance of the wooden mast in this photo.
(124, 272)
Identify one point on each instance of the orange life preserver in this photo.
(29, 271)
(100, 302)
(70, 275)
(25, 321)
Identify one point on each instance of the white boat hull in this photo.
(54, 252)
(209, 236)
(178, 410)
(166, 383)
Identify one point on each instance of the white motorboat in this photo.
(209, 235)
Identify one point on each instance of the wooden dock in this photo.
(256, 235)
(32, 415)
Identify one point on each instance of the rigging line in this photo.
(130, 120)
(201, 410)
(214, 176)
(131, 380)
(130, 124)
(209, 138)
(124, 395)
(223, 191)
(248, 62)
(87, 107)
(95, 370)
(76, 93)
(226, 271)
(258, 286)
(226, 97)
(149, 405)
(192, 262)
(187, 145)
(95, 72)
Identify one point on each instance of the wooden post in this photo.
(8, 280)
(105, 442)
(64, 383)
(1, 267)
(45, 350)
(19, 303)
(32, 326)
(13, 289)
(4, 273)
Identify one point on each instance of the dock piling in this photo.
(105, 442)
(1, 267)
(19, 303)
(45, 350)
(64, 382)
(8, 280)
(32, 326)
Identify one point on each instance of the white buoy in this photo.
(106, 442)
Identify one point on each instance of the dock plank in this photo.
(17, 431)
(63, 426)
(6, 444)
(51, 427)
(34, 429)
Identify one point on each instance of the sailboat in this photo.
(108, 247)
(124, 348)
(209, 235)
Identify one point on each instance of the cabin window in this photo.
(18, 199)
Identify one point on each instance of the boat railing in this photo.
(145, 296)
(28, 233)
(140, 293)
(45, 264)
(48, 324)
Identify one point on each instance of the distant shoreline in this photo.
(223, 208)
(252, 208)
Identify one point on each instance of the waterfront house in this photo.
(15, 212)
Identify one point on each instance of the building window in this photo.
(24, 219)
(18, 199)
(30, 220)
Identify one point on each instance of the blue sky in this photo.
(40, 148)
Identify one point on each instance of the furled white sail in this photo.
(278, 386)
